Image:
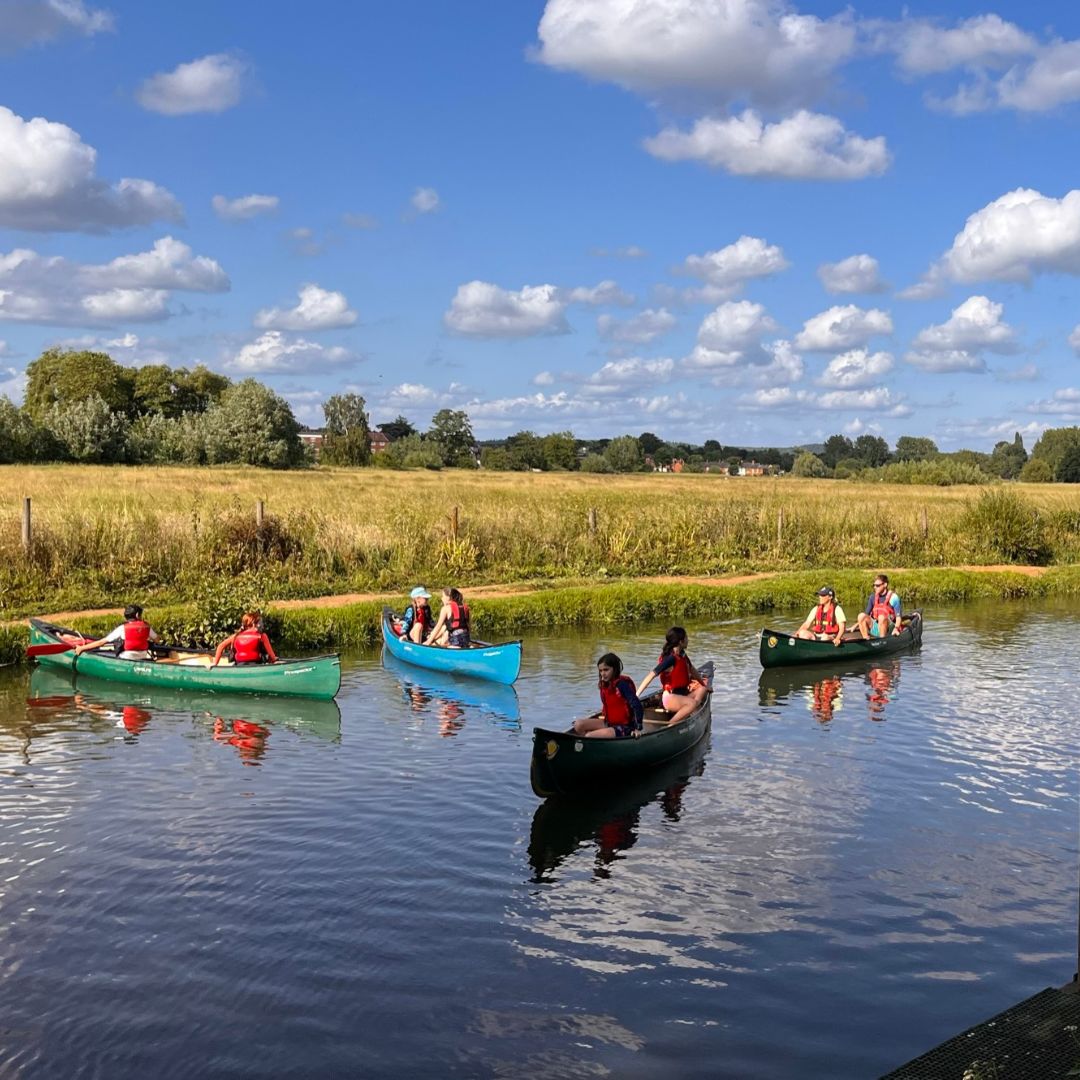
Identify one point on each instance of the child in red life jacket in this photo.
(684, 688)
(249, 644)
(620, 709)
(132, 637)
(417, 620)
(452, 628)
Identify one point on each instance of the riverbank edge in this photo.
(610, 603)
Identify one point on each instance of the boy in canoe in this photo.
(827, 621)
(621, 712)
(132, 637)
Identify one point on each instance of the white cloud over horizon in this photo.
(274, 353)
(957, 344)
(316, 309)
(211, 84)
(36, 22)
(640, 329)
(856, 369)
(855, 274)
(245, 207)
(843, 327)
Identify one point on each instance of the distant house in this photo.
(313, 437)
(379, 441)
(753, 468)
(720, 467)
(678, 465)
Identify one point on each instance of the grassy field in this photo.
(103, 535)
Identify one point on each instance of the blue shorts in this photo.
(623, 731)
(459, 639)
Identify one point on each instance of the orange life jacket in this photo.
(136, 636)
(459, 617)
(247, 647)
(616, 708)
(820, 624)
(677, 677)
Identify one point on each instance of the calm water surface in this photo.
(859, 864)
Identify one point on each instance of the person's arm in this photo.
(439, 624)
(154, 635)
(841, 625)
(809, 619)
(667, 662)
(895, 602)
(407, 621)
(637, 710)
(113, 635)
(869, 609)
(269, 649)
(220, 651)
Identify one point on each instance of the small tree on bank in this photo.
(348, 437)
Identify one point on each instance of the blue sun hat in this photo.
(418, 592)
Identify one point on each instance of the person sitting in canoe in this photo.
(452, 627)
(417, 621)
(684, 688)
(621, 712)
(827, 621)
(249, 644)
(131, 638)
(882, 613)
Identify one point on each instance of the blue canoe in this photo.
(499, 663)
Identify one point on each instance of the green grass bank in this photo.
(788, 596)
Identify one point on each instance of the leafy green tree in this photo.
(1036, 471)
(914, 448)
(155, 439)
(495, 458)
(871, 450)
(560, 451)
(624, 454)
(711, 449)
(1053, 444)
(1008, 458)
(348, 438)
(525, 451)
(452, 435)
(199, 388)
(1068, 470)
(87, 429)
(807, 464)
(21, 439)
(252, 425)
(649, 442)
(398, 428)
(63, 377)
(596, 463)
(974, 458)
(835, 448)
(734, 464)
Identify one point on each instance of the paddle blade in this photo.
(51, 649)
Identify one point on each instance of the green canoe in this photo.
(564, 762)
(779, 649)
(178, 668)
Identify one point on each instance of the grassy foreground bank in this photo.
(106, 535)
(624, 603)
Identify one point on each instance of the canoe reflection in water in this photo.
(609, 817)
(239, 720)
(450, 699)
(824, 694)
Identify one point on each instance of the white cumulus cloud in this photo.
(606, 294)
(855, 274)
(34, 22)
(244, 207)
(804, 146)
(273, 353)
(856, 368)
(616, 375)
(210, 84)
(759, 51)
(317, 309)
(973, 326)
(480, 309)
(425, 200)
(640, 329)
(729, 268)
(1074, 339)
(48, 183)
(731, 336)
(844, 327)
(926, 47)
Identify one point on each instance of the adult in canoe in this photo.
(417, 621)
(621, 712)
(249, 644)
(131, 638)
(826, 621)
(452, 629)
(684, 688)
(882, 614)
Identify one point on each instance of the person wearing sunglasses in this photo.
(882, 614)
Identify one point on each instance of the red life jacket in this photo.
(615, 706)
(677, 677)
(136, 636)
(247, 647)
(882, 606)
(459, 617)
(823, 627)
(422, 616)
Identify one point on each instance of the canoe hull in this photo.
(498, 663)
(317, 677)
(565, 763)
(780, 649)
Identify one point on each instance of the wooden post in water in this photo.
(454, 523)
(260, 513)
(592, 520)
(779, 526)
(27, 528)
(924, 523)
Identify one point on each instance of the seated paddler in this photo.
(826, 621)
(249, 645)
(131, 638)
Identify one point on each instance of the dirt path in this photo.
(491, 592)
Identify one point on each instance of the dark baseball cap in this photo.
(826, 591)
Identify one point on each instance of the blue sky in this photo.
(745, 220)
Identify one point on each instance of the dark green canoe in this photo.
(178, 668)
(780, 649)
(565, 762)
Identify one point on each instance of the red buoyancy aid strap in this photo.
(883, 606)
(136, 636)
(459, 616)
(247, 647)
(822, 627)
(616, 707)
(676, 677)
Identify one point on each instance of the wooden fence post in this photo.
(592, 519)
(925, 523)
(454, 523)
(27, 528)
(260, 513)
(779, 526)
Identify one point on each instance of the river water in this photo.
(856, 865)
